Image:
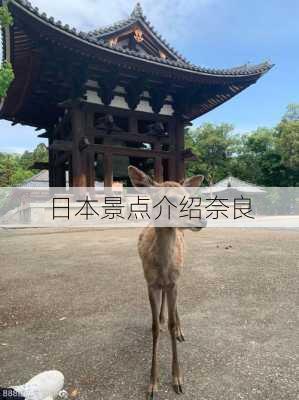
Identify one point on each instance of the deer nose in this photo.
(204, 222)
(200, 225)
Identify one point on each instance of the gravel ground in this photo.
(77, 302)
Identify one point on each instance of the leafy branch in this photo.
(6, 70)
(5, 16)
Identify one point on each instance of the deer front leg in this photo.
(155, 301)
(179, 333)
(177, 379)
(162, 318)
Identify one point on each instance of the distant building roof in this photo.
(41, 180)
(232, 183)
(37, 181)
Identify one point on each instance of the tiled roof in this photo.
(37, 181)
(180, 63)
(137, 16)
(41, 180)
(232, 183)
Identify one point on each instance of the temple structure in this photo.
(110, 97)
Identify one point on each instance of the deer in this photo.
(161, 250)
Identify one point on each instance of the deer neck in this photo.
(166, 242)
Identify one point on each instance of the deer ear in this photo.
(139, 178)
(194, 181)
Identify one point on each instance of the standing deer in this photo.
(161, 251)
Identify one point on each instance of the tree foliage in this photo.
(6, 70)
(5, 16)
(268, 157)
(15, 168)
(214, 146)
(6, 77)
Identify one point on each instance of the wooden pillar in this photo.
(179, 148)
(70, 172)
(172, 173)
(59, 178)
(51, 163)
(158, 169)
(166, 173)
(90, 155)
(78, 157)
(56, 172)
(108, 170)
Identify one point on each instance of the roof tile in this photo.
(95, 37)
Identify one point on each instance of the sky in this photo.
(210, 33)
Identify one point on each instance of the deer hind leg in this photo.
(179, 333)
(155, 301)
(177, 379)
(162, 318)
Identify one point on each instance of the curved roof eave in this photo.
(242, 72)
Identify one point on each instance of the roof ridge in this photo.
(112, 27)
(137, 11)
(91, 38)
(138, 15)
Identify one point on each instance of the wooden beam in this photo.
(44, 135)
(124, 112)
(131, 137)
(130, 152)
(62, 145)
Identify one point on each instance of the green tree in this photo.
(8, 166)
(6, 71)
(266, 156)
(214, 147)
(40, 154)
(287, 133)
(258, 160)
(14, 168)
(288, 143)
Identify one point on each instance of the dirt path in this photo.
(77, 302)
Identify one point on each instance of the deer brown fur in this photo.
(162, 253)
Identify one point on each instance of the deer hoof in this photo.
(152, 393)
(178, 386)
(180, 336)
